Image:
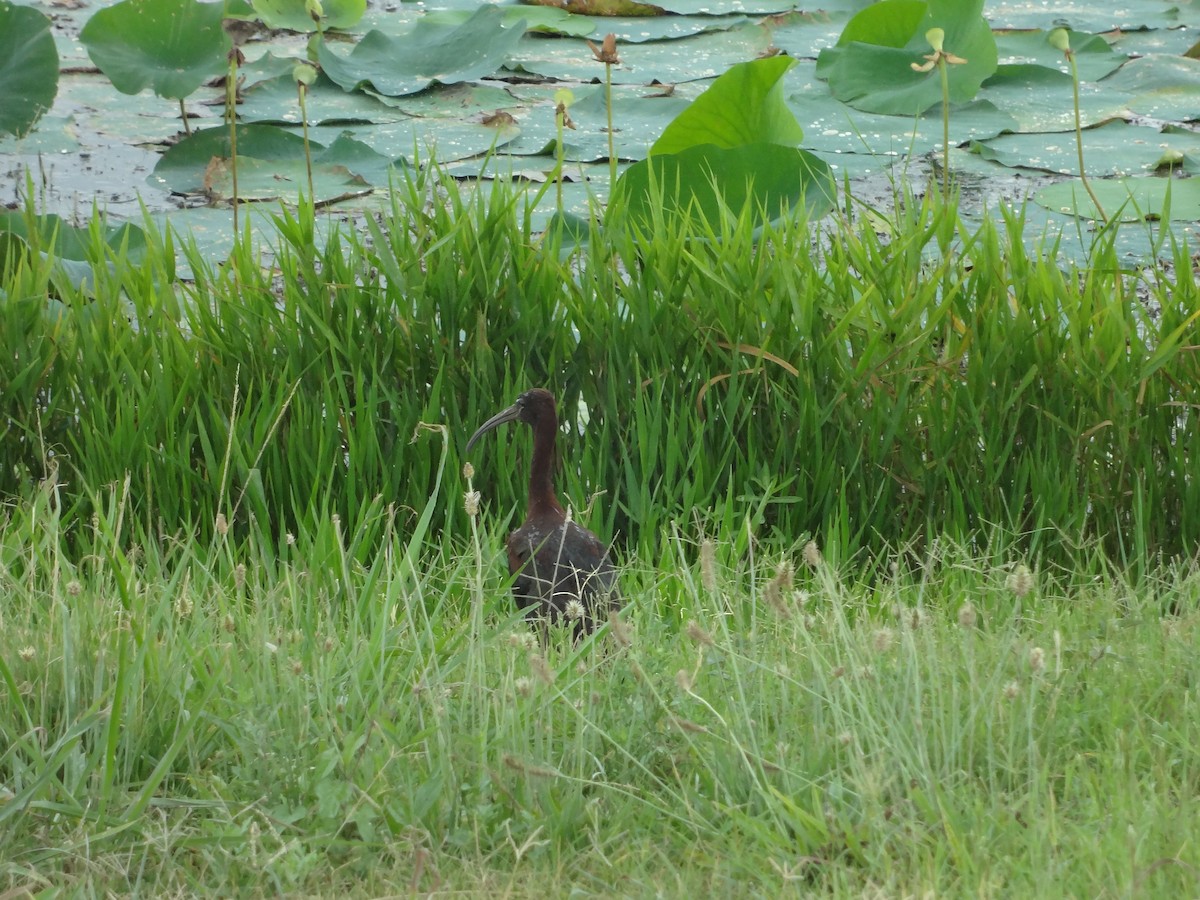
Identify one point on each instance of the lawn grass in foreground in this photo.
(223, 717)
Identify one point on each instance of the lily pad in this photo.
(871, 68)
(429, 54)
(169, 46)
(270, 164)
(1116, 148)
(275, 100)
(68, 241)
(538, 19)
(706, 55)
(733, 147)
(742, 106)
(28, 68)
(1084, 15)
(294, 14)
(1164, 86)
(1130, 199)
(1094, 58)
(708, 180)
(602, 7)
(1041, 98)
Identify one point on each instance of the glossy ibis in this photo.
(555, 561)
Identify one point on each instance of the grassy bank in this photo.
(905, 513)
(218, 716)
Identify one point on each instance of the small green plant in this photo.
(942, 60)
(607, 53)
(1060, 40)
(563, 99)
(305, 73)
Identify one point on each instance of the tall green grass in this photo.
(871, 381)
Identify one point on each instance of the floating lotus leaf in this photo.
(1129, 199)
(1094, 58)
(169, 46)
(294, 14)
(733, 147)
(28, 68)
(429, 54)
(871, 68)
(745, 105)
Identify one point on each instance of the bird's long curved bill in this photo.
(507, 415)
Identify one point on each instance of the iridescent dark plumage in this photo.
(554, 560)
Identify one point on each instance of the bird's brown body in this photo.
(555, 560)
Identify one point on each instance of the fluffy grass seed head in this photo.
(1020, 580)
(621, 632)
(27, 653)
(221, 525)
(683, 680)
(883, 640)
(708, 564)
(967, 617)
(541, 668)
(74, 588)
(811, 554)
(1037, 660)
(574, 609)
(698, 635)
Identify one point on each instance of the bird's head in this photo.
(533, 408)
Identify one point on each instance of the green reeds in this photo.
(874, 388)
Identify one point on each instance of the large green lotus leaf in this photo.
(359, 159)
(293, 14)
(871, 66)
(1086, 15)
(67, 240)
(1094, 58)
(638, 120)
(666, 28)
(272, 179)
(805, 34)
(54, 134)
(275, 100)
(537, 19)
(444, 140)
(744, 105)
(451, 101)
(1169, 41)
(28, 68)
(670, 62)
(169, 46)
(1131, 199)
(1116, 148)
(833, 127)
(1161, 86)
(604, 8)
(702, 8)
(429, 54)
(1040, 99)
(770, 178)
(183, 168)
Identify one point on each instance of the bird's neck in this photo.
(542, 500)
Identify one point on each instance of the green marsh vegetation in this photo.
(905, 535)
